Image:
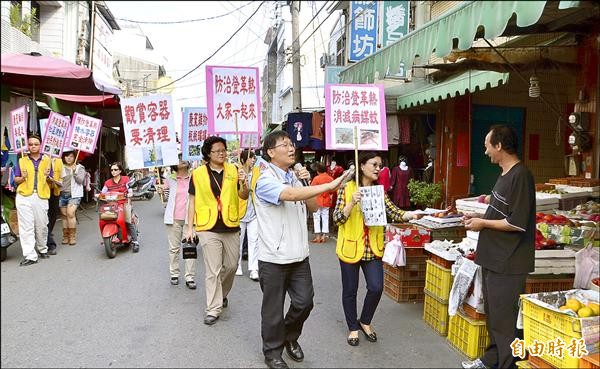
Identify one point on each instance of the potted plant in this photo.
(424, 194)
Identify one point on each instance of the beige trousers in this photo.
(32, 213)
(221, 252)
(175, 234)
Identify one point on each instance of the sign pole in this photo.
(239, 142)
(356, 156)
(76, 156)
(162, 201)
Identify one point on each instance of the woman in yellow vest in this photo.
(217, 195)
(360, 246)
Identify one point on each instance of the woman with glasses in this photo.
(361, 247)
(118, 183)
(216, 191)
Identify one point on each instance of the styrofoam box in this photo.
(470, 204)
(474, 235)
(561, 196)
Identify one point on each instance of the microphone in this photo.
(297, 167)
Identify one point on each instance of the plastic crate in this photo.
(534, 285)
(546, 325)
(415, 268)
(438, 281)
(441, 261)
(524, 364)
(435, 313)
(450, 234)
(468, 336)
(537, 363)
(470, 312)
(403, 291)
(590, 361)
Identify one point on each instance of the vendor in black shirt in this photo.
(505, 249)
(216, 193)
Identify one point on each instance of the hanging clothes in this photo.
(399, 186)
(404, 130)
(299, 127)
(318, 125)
(393, 131)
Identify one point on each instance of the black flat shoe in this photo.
(174, 281)
(210, 319)
(370, 337)
(27, 262)
(225, 302)
(191, 285)
(353, 341)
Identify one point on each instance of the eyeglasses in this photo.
(115, 169)
(287, 145)
(376, 165)
(218, 152)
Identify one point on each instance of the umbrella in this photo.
(26, 73)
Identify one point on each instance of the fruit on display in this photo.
(585, 312)
(594, 307)
(574, 304)
(543, 243)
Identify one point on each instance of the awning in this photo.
(470, 81)
(436, 37)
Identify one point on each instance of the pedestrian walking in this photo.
(505, 247)
(33, 175)
(73, 177)
(281, 202)
(248, 224)
(215, 191)
(361, 247)
(324, 200)
(175, 218)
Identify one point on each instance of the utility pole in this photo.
(296, 93)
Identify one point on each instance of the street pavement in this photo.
(81, 309)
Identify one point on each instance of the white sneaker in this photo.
(475, 364)
(254, 275)
(239, 271)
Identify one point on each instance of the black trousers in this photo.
(53, 211)
(501, 301)
(275, 280)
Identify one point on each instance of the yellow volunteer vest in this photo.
(350, 246)
(57, 168)
(26, 188)
(205, 202)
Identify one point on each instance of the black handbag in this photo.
(189, 249)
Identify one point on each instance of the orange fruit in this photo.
(595, 308)
(585, 312)
(573, 304)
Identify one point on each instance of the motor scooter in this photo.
(112, 224)
(8, 237)
(143, 188)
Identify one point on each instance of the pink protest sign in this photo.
(18, 128)
(84, 133)
(56, 134)
(231, 92)
(362, 106)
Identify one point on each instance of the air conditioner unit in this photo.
(324, 60)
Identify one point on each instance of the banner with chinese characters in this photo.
(18, 129)
(348, 106)
(394, 21)
(84, 133)
(194, 131)
(249, 141)
(363, 30)
(231, 92)
(149, 131)
(56, 133)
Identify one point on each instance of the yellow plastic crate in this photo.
(438, 281)
(468, 336)
(435, 313)
(524, 364)
(545, 325)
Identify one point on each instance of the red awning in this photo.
(92, 100)
(40, 65)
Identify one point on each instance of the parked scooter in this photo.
(112, 222)
(143, 188)
(8, 237)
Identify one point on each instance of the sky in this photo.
(187, 44)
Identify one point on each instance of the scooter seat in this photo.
(143, 181)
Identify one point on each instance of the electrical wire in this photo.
(213, 54)
(186, 21)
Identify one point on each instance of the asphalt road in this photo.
(81, 309)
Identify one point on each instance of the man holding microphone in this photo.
(281, 203)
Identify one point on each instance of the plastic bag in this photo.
(587, 261)
(391, 251)
(462, 282)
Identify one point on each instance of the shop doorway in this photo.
(484, 117)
